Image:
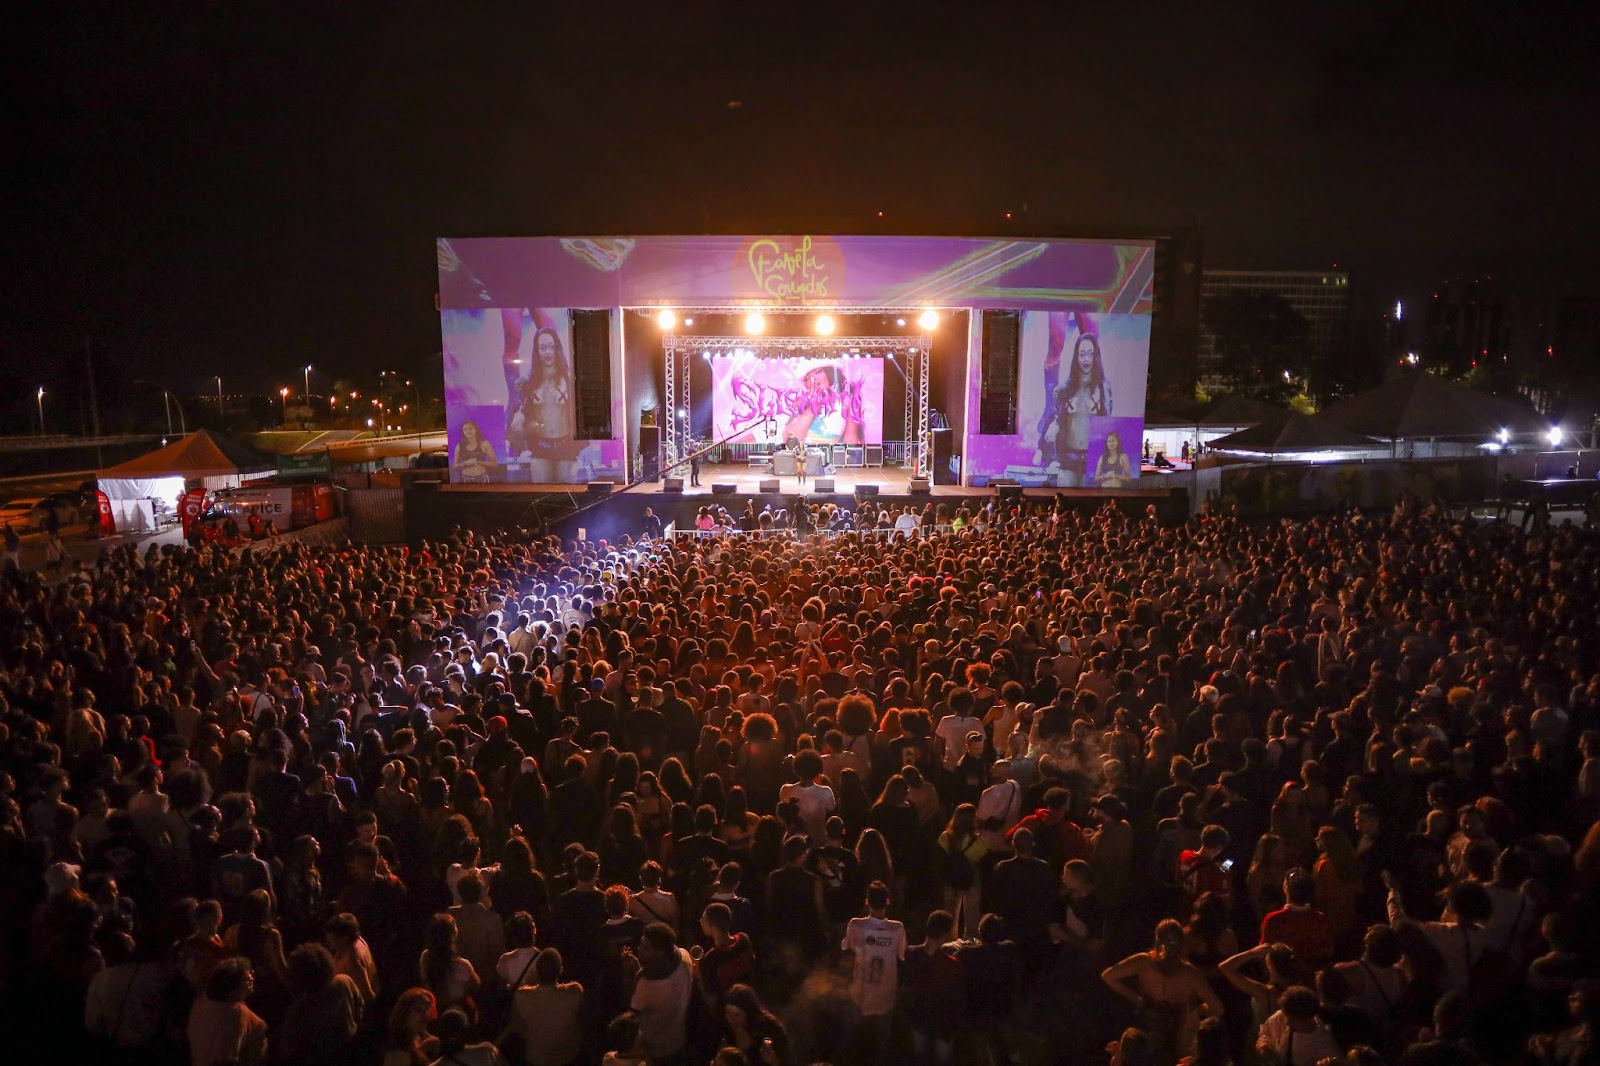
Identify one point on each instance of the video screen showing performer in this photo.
(474, 459)
(1064, 427)
(541, 419)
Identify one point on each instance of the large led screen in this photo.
(1080, 403)
(510, 399)
(816, 401)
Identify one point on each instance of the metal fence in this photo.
(377, 516)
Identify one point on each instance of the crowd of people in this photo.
(1034, 787)
(807, 518)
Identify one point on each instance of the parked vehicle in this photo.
(31, 512)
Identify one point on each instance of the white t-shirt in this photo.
(953, 729)
(513, 967)
(815, 803)
(1304, 1049)
(879, 945)
(662, 1007)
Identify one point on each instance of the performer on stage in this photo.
(799, 449)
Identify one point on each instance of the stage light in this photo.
(1554, 436)
(666, 318)
(688, 321)
(683, 413)
(899, 321)
(929, 320)
(891, 357)
(825, 324)
(754, 323)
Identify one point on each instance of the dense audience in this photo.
(1030, 787)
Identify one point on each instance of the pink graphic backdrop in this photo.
(820, 401)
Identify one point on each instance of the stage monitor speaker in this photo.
(823, 484)
(600, 488)
(874, 456)
(719, 488)
(672, 484)
(650, 450)
(919, 486)
(866, 492)
(769, 484)
(591, 373)
(998, 371)
(1006, 488)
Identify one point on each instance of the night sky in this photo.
(244, 188)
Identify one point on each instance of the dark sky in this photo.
(244, 188)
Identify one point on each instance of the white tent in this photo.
(140, 487)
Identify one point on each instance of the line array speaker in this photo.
(591, 373)
(997, 372)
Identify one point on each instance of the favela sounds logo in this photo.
(800, 273)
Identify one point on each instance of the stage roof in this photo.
(798, 271)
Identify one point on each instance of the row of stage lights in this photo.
(751, 353)
(755, 323)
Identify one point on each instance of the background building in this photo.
(1466, 329)
(1320, 297)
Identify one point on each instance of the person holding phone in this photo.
(1206, 870)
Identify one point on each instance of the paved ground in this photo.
(80, 548)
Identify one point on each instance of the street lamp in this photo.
(167, 400)
(220, 412)
(284, 392)
(41, 410)
(308, 384)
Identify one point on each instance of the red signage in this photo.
(194, 505)
(108, 522)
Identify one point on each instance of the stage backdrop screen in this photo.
(818, 401)
(1080, 403)
(510, 403)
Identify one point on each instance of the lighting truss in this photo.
(908, 313)
(796, 346)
